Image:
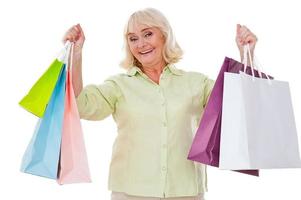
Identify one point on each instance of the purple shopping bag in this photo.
(206, 143)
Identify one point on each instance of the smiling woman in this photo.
(145, 40)
(146, 44)
(158, 24)
(157, 108)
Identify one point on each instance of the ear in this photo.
(163, 37)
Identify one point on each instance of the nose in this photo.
(141, 43)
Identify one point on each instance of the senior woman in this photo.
(157, 109)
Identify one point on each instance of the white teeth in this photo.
(144, 52)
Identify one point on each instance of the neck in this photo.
(155, 69)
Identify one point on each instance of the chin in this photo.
(147, 63)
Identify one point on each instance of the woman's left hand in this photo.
(243, 37)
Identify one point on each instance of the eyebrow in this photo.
(141, 30)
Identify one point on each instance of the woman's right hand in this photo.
(75, 34)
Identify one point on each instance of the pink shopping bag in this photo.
(73, 161)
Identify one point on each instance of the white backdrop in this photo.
(31, 33)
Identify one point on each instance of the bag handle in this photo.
(246, 54)
(69, 57)
(70, 66)
(62, 55)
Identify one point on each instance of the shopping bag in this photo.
(258, 125)
(205, 147)
(38, 96)
(42, 154)
(73, 160)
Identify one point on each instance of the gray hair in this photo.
(151, 17)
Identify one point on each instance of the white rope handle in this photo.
(258, 65)
(71, 60)
(61, 56)
(245, 60)
(67, 54)
(247, 53)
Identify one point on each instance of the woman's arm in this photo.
(77, 80)
(75, 34)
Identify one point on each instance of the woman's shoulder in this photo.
(191, 74)
(196, 78)
(118, 77)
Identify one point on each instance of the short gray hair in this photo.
(151, 17)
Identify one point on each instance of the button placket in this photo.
(164, 135)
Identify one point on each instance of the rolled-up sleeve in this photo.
(209, 83)
(96, 102)
(201, 87)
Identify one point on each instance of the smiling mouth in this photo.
(146, 52)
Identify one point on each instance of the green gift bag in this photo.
(39, 95)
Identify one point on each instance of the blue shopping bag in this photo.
(42, 154)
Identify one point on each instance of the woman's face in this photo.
(146, 44)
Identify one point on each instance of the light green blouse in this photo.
(156, 124)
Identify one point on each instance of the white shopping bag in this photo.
(258, 126)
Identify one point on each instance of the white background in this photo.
(30, 37)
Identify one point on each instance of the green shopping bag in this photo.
(39, 95)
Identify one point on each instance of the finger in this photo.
(238, 26)
(244, 37)
(243, 31)
(246, 34)
(251, 39)
(71, 37)
(76, 29)
(68, 36)
(75, 33)
(72, 30)
(249, 33)
(240, 38)
(248, 40)
(80, 29)
(244, 27)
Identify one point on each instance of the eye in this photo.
(148, 34)
(133, 39)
